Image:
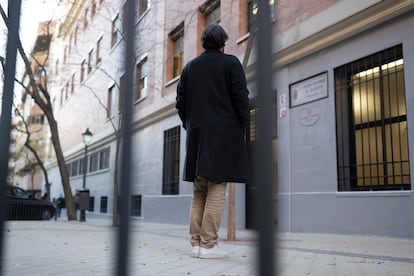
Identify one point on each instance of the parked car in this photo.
(22, 205)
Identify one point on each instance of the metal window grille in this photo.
(171, 168)
(371, 123)
(136, 205)
(104, 204)
(91, 204)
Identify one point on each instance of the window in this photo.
(209, 13)
(62, 93)
(371, 123)
(90, 54)
(65, 54)
(85, 18)
(171, 165)
(104, 159)
(70, 44)
(83, 169)
(98, 50)
(75, 38)
(115, 32)
(57, 67)
(141, 74)
(142, 7)
(252, 10)
(93, 162)
(91, 204)
(35, 119)
(248, 11)
(72, 83)
(67, 90)
(82, 71)
(93, 8)
(74, 168)
(104, 204)
(136, 205)
(176, 51)
(109, 101)
(121, 90)
(99, 160)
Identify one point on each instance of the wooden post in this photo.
(231, 222)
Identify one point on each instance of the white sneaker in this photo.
(212, 253)
(195, 251)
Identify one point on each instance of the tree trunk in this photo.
(70, 207)
(231, 224)
(42, 99)
(116, 186)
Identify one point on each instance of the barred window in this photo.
(104, 204)
(371, 123)
(136, 205)
(171, 168)
(91, 204)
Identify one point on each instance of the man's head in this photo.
(213, 37)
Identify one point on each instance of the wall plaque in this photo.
(309, 90)
(309, 116)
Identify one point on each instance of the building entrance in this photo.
(251, 187)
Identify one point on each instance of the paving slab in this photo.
(68, 248)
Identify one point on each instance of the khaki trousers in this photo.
(206, 209)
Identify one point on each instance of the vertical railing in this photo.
(263, 157)
(266, 262)
(6, 109)
(126, 131)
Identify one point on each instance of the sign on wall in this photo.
(308, 90)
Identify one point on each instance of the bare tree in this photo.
(40, 94)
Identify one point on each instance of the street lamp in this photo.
(84, 196)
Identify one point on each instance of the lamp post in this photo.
(84, 202)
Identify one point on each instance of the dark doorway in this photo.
(252, 147)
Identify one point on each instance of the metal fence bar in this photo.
(6, 109)
(126, 133)
(264, 156)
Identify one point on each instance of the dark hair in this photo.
(213, 37)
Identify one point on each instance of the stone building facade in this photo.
(341, 88)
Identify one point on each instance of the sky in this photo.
(32, 12)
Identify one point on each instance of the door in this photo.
(251, 187)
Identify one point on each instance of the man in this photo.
(60, 204)
(213, 105)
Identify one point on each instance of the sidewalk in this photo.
(88, 248)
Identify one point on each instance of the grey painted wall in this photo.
(309, 201)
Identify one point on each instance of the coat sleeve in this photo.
(181, 98)
(239, 93)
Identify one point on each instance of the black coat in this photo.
(213, 105)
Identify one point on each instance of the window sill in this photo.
(375, 194)
(140, 100)
(170, 82)
(243, 38)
